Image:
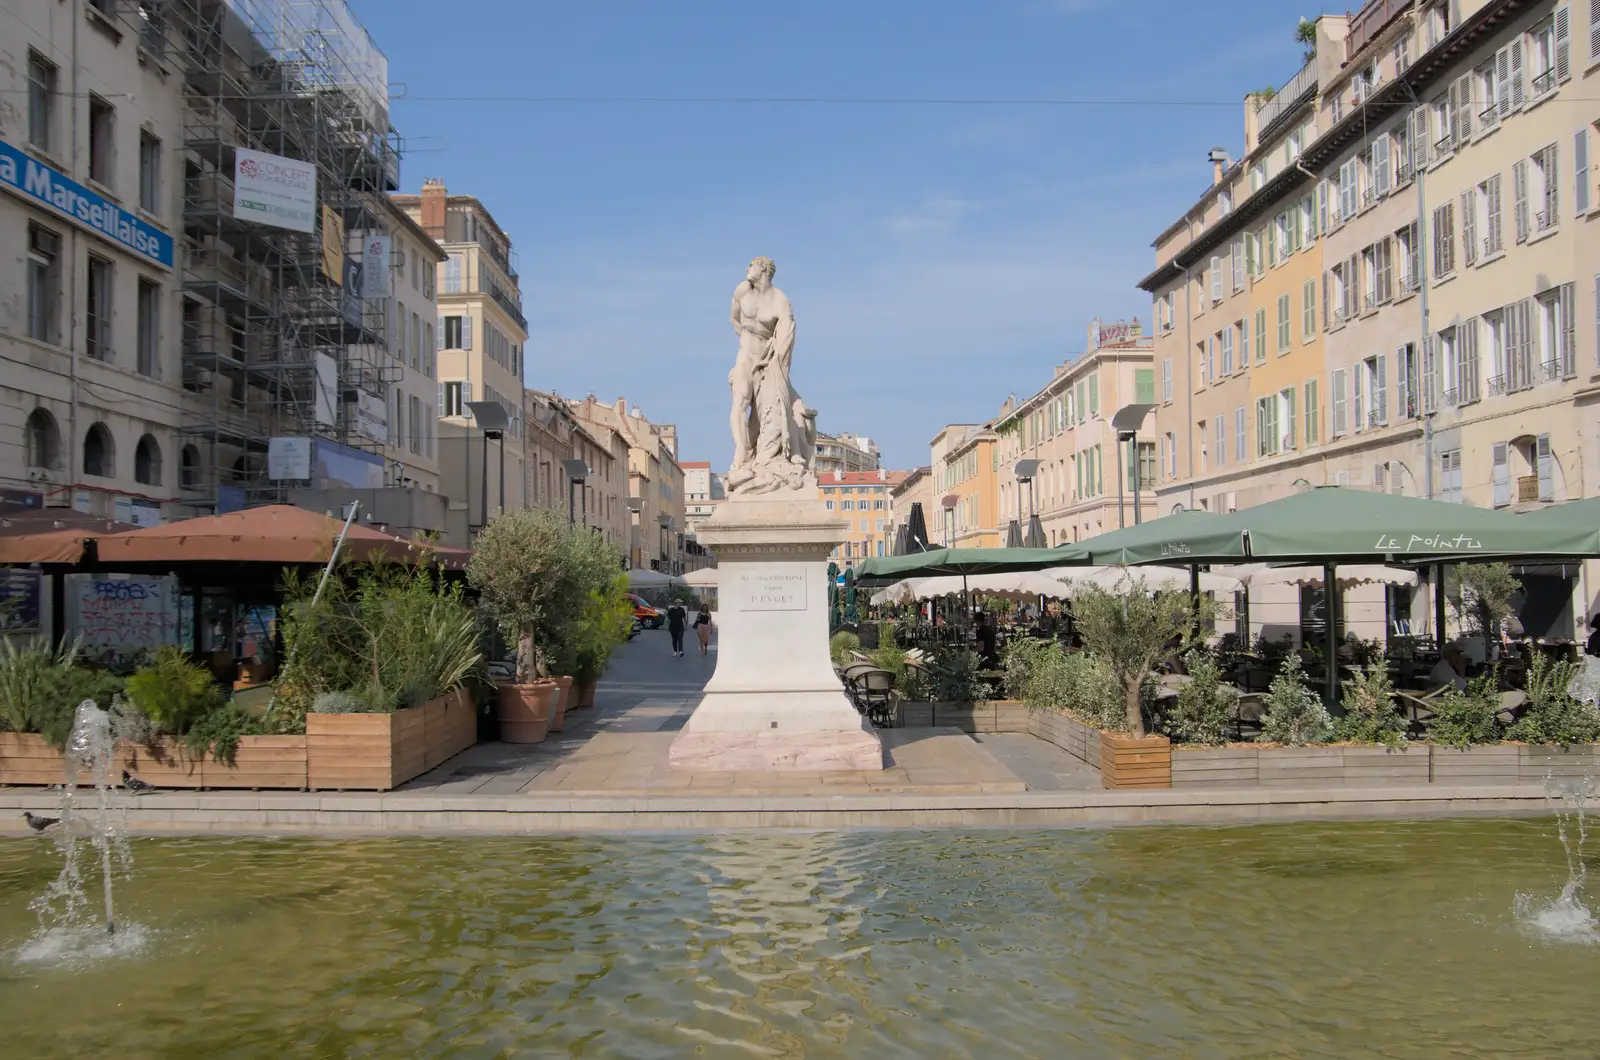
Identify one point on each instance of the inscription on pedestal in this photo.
(774, 591)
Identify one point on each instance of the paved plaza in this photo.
(619, 747)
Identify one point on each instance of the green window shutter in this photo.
(1144, 386)
(1094, 395)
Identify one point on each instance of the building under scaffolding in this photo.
(277, 341)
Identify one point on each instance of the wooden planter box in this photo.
(1536, 764)
(1071, 735)
(1215, 767)
(1011, 715)
(558, 714)
(377, 752)
(259, 762)
(1135, 762)
(1494, 764)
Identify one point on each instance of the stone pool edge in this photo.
(401, 813)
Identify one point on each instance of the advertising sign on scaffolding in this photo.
(326, 412)
(375, 266)
(372, 417)
(289, 459)
(340, 466)
(273, 190)
(332, 245)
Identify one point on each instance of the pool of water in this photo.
(1393, 940)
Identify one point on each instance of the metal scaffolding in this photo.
(301, 79)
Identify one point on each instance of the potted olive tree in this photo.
(602, 625)
(518, 567)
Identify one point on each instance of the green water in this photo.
(1350, 940)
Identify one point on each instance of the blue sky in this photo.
(939, 256)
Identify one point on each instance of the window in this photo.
(1545, 188)
(43, 441)
(1409, 250)
(41, 101)
(149, 337)
(1347, 190)
(99, 459)
(1517, 345)
(1340, 424)
(1444, 240)
(453, 398)
(97, 310)
(1407, 383)
(1374, 374)
(1147, 463)
(102, 141)
(457, 332)
(1450, 476)
(1501, 475)
(1225, 202)
(1313, 413)
(1261, 336)
(1166, 379)
(147, 462)
(1465, 360)
(1239, 439)
(1542, 54)
(1225, 340)
(414, 441)
(1400, 152)
(44, 284)
(1220, 430)
(1283, 323)
(454, 266)
(1094, 395)
(1557, 345)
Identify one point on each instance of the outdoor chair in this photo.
(1247, 713)
(876, 692)
(1513, 704)
(851, 676)
(1418, 713)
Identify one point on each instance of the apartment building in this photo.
(703, 490)
(846, 452)
(965, 462)
(480, 332)
(861, 498)
(91, 393)
(1059, 456)
(915, 488)
(553, 437)
(655, 496)
(408, 428)
(1441, 289)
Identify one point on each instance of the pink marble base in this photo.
(799, 751)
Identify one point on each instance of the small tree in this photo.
(1135, 631)
(1294, 714)
(1369, 711)
(1483, 595)
(535, 572)
(1203, 710)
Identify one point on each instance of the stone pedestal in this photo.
(774, 702)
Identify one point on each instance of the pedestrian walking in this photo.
(702, 626)
(676, 617)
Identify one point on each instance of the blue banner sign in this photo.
(32, 179)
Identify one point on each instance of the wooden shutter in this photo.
(1502, 82)
(1380, 165)
(1452, 135)
(1580, 164)
(1502, 476)
(1430, 389)
(1464, 106)
(1594, 31)
(1519, 191)
(1380, 390)
(1568, 350)
(466, 332)
(1518, 91)
(1547, 470)
(1289, 432)
(1563, 27)
(1403, 382)
(1469, 226)
(1419, 138)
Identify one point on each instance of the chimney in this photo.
(1219, 164)
(1136, 329)
(433, 203)
(622, 407)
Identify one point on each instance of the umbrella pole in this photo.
(1329, 587)
(1438, 607)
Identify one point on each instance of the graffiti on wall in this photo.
(122, 613)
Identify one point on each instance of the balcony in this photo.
(1527, 489)
(1555, 371)
(1545, 82)
(1497, 385)
(1403, 172)
(1545, 220)
(1284, 102)
(1452, 397)
(1489, 116)
(1443, 145)
(1373, 419)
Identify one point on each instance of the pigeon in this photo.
(134, 784)
(38, 824)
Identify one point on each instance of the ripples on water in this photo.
(1327, 941)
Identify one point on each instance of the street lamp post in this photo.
(1126, 423)
(493, 420)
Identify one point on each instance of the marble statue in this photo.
(774, 434)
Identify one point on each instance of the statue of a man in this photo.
(773, 431)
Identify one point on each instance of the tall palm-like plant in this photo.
(1306, 35)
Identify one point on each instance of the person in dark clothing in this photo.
(1593, 647)
(676, 617)
(987, 642)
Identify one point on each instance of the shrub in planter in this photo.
(1203, 710)
(1294, 714)
(603, 625)
(1553, 716)
(1369, 712)
(41, 687)
(180, 700)
(841, 645)
(1135, 631)
(955, 677)
(1077, 683)
(1023, 658)
(1464, 719)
